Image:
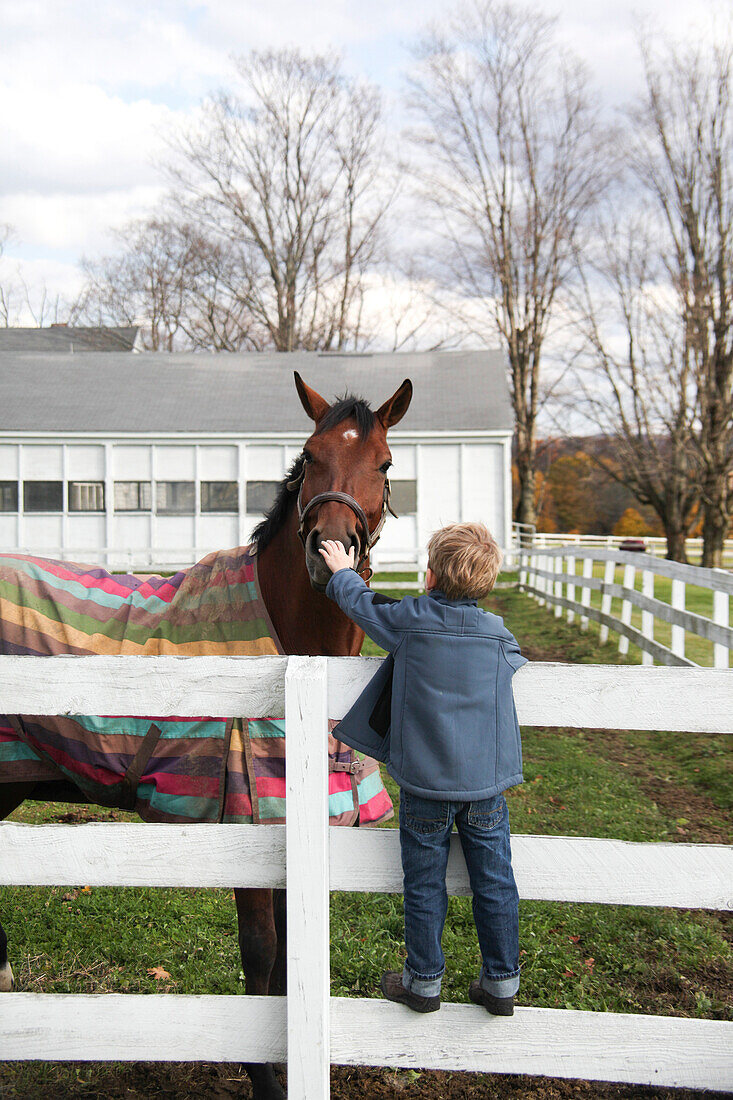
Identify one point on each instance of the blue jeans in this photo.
(483, 827)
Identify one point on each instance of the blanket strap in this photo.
(133, 775)
(356, 767)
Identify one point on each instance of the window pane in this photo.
(43, 496)
(219, 496)
(175, 497)
(8, 496)
(86, 496)
(133, 496)
(404, 497)
(261, 496)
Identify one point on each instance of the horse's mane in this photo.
(346, 408)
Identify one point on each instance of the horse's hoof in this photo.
(6, 978)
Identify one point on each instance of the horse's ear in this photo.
(315, 405)
(392, 411)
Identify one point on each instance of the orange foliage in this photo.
(631, 523)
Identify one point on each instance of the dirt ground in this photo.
(141, 1081)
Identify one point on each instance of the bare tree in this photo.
(637, 376)
(291, 175)
(510, 159)
(682, 155)
(6, 288)
(152, 280)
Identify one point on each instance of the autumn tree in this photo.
(573, 481)
(288, 175)
(508, 157)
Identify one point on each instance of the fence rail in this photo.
(551, 577)
(310, 1028)
(528, 538)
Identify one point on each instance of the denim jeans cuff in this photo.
(500, 987)
(424, 987)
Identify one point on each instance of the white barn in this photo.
(155, 459)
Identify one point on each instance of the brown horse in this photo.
(336, 489)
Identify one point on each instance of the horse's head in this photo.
(347, 456)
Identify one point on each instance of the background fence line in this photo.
(556, 1042)
(551, 576)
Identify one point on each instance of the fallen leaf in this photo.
(574, 939)
(569, 974)
(590, 963)
(158, 973)
(85, 890)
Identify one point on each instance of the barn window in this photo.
(261, 496)
(86, 496)
(43, 496)
(175, 497)
(404, 497)
(8, 496)
(219, 496)
(133, 496)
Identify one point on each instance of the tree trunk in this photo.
(676, 537)
(714, 530)
(524, 511)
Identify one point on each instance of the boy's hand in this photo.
(335, 555)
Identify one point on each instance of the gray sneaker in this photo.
(497, 1006)
(394, 990)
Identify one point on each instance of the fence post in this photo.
(559, 566)
(721, 616)
(647, 617)
(678, 632)
(570, 590)
(585, 593)
(541, 581)
(609, 575)
(628, 582)
(306, 724)
(522, 569)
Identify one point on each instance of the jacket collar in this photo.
(437, 594)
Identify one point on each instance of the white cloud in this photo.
(80, 140)
(74, 223)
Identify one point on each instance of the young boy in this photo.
(440, 713)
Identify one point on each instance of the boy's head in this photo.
(465, 560)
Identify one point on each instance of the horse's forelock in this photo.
(349, 407)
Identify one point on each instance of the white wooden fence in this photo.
(309, 1028)
(552, 577)
(527, 537)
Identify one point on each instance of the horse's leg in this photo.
(258, 948)
(279, 977)
(11, 796)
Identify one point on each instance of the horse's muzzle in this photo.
(318, 571)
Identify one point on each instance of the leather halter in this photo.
(370, 537)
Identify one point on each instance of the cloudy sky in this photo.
(87, 87)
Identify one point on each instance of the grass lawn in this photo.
(634, 786)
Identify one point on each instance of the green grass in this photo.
(634, 786)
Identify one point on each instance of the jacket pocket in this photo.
(513, 657)
(381, 715)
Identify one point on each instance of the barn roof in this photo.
(67, 338)
(231, 392)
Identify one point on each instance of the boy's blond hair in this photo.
(465, 559)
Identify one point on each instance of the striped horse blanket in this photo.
(166, 769)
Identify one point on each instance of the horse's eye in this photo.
(307, 457)
(384, 468)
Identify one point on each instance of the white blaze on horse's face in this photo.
(350, 433)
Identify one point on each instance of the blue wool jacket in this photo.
(440, 710)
